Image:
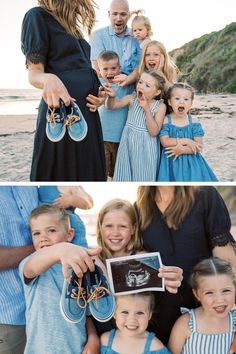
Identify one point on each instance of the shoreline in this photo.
(216, 113)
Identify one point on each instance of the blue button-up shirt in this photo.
(126, 46)
(16, 202)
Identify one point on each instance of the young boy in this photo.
(42, 277)
(112, 121)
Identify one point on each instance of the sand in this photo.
(217, 114)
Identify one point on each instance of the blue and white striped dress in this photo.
(139, 153)
(199, 343)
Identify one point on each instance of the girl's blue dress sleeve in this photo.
(198, 130)
(165, 130)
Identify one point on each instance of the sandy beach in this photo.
(217, 114)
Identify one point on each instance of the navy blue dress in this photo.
(45, 41)
(206, 226)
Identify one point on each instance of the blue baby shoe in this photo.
(99, 297)
(76, 124)
(73, 299)
(55, 126)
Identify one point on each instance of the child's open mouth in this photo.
(152, 65)
(181, 109)
(110, 78)
(139, 95)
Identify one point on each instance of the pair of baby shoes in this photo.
(62, 118)
(93, 291)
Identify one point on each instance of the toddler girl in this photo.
(132, 315)
(141, 28)
(155, 57)
(210, 327)
(181, 136)
(139, 150)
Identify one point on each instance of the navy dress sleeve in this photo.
(34, 36)
(217, 219)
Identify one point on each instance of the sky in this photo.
(102, 192)
(174, 22)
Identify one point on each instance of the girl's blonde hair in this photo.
(145, 21)
(148, 295)
(170, 70)
(184, 198)
(73, 15)
(124, 205)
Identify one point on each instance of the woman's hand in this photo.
(173, 277)
(54, 90)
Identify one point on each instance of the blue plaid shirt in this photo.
(16, 202)
(126, 46)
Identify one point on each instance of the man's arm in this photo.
(10, 257)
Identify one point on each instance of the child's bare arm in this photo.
(180, 149)
(112, 103)
(154, 124)
(180, 332)
(123, 80)
(104, 338)
(69, 255)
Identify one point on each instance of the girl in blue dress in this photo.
(139, 150)
(132, 315)
(181, 136)
(209, 328)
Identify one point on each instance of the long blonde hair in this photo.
(129, 209)
(170, 70)
(184, 197)
(73, 15)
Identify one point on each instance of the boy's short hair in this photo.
(107, 55)
(51, 209)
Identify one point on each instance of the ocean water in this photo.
(19, 101)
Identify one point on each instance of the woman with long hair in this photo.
(185, 224)
(68, 141)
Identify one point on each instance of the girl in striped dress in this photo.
(210, 327)
(139, 150)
